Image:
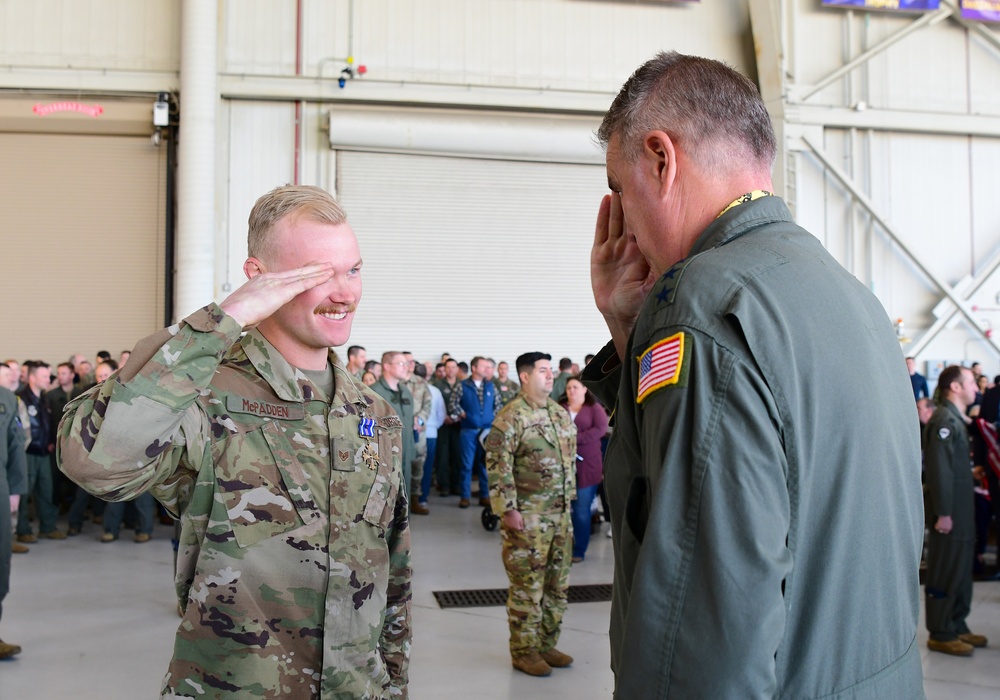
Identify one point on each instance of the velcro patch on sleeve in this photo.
(660, 365)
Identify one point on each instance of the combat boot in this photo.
(18, 548)
(532, 664)
(556, 659)
(955, 647)
(8, 650)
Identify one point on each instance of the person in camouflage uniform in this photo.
(507, 388)
(530, 453)
(293, 571)
(421, 411)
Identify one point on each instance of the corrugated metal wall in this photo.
(925, 104)
(926, 167)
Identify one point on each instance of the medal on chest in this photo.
(366, 429)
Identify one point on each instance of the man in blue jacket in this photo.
(475, 401)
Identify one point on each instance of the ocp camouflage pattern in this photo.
(537, 561)
(530, 458)
(293, 571)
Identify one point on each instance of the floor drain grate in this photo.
(489, 597)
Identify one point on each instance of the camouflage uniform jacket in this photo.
(506, 390)
(293, 568)
(530, 455)
(421, 399)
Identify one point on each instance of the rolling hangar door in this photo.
(475, 230)
(82, 193)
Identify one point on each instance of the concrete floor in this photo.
(97, 621)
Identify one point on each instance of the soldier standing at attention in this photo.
(530, 455)
(13, 482)
(293, 571)
(951, 509)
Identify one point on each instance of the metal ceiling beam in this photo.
(863, 200)
(937, 123)
(926, 20)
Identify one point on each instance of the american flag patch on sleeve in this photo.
(660, 365)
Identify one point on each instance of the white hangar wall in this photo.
(891, 129)
(888, 125)
(465, 156)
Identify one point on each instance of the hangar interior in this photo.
(463, 132)
(459, 135)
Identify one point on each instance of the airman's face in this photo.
(320, 317)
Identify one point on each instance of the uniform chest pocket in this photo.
(370, 472)
(263, 488)
(539, 433)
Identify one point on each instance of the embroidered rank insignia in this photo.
(944, 433)
(366, 428)
(660, 365)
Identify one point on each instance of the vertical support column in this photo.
(196, 171)
(768, 39)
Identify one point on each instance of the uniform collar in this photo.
(738, 220)
(954, 409)
(543, 404)
(287, 381)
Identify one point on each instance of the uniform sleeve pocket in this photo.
(259, 488)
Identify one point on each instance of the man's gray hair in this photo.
(698, 102)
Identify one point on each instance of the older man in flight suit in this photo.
(764, 471)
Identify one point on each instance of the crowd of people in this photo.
(742, 523)
(42, 393)
(450, 404)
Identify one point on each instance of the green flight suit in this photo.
(948, 583)
(765, 494)
(293, 569)
(401, 401)
(559, 385)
